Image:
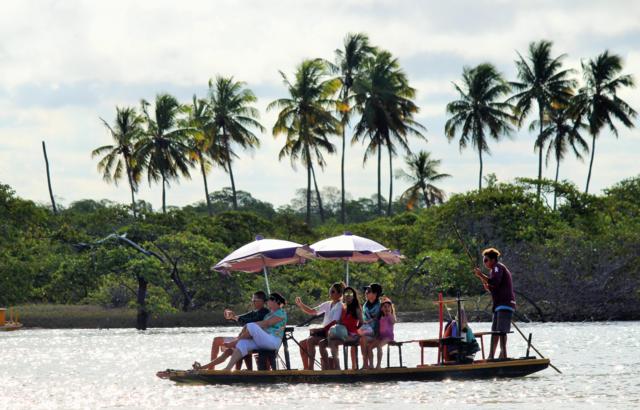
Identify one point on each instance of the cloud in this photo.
(65, 64)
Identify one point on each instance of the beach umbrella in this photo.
(261, 254)
(353, 248)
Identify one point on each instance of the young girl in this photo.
(385, 334)
(371, 315)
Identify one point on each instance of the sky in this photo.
(66, 64)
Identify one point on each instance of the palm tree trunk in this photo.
(555, 188)
(342, 210)
(593, 152)
(390, 181)
(315, 183)
(164, 195)
(46, 162)
(133, 199)
(206, 188)
(233, 183)
(480, 178)
(539, 143)
(308, 194)
(426, 198)
(379, 179)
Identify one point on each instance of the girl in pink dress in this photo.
(385, 333)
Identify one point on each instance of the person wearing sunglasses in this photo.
(347, 330)
(332, 310)
(264, 334)
(499, 283)
(258, 313)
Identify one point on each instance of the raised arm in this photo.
(306, 309)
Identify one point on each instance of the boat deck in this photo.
(477, 370)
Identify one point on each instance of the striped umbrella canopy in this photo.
(353, 248)
(261, 254)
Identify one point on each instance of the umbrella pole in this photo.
(346, 264)
(266, 279)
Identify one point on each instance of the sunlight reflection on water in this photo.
(116, 369)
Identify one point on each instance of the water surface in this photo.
(116, 369)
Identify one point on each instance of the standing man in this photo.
(256, 315)
(499, 283)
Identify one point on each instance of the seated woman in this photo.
(332, 310)
(258, 313)
(371, 316)
(266, 334)
(347, 329)
(385, 334)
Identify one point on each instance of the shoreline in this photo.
(97, 317)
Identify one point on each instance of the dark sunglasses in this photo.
(485, 260)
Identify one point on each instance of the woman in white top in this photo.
(332, 310)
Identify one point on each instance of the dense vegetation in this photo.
(578, 262)
(575, 259)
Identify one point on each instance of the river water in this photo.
(116, 369)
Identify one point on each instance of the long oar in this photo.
(464, 245)
(532, 346)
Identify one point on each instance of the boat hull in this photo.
(483, 370)
(10, 327)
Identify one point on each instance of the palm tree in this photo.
(163, 150)
(203, 142)
(561, 131)
(541, 81)
(306, 120)
(119, 157)
(598, 100)
(423, 173)
(384, 99)
(234, 117)
(349, 62)
(480, 113)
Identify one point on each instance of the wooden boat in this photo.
(11, 324)
(477, 370)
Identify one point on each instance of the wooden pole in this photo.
(533, 347)
(46, 161)
(440, 304)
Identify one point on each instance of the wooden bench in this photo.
(399, 346)
(481, 336)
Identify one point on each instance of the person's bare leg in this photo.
(304, 348)
(218, 360)
(379, 349)
(364, 348)
(333, 347)
(354, 357)
(312, 342)
(322, 347)
(216, 346)
(494, 345)
(235, 357)
(503, 346)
